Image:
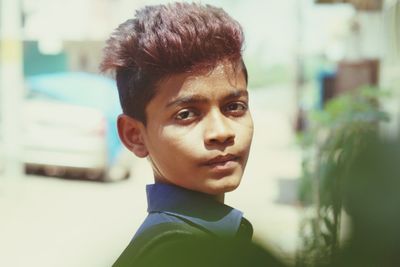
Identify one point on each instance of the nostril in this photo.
(229, 140)
(222, 141)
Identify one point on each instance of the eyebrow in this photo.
(198, 99)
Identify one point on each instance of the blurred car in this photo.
(69, 127)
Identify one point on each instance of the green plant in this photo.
(330, 144)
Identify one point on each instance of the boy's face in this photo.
(199, 130)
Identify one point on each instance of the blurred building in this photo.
(65, 35)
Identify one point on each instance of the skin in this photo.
(199, 130)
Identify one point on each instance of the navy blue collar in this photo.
(198, 208)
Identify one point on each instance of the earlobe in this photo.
(130, 133)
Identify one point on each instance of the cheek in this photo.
(183, 137)
(178, 144)
(245, 129)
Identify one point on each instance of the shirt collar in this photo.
(198, 208)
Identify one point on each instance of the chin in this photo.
(224, 185)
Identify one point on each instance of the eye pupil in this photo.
(184, 115)
(234, 106)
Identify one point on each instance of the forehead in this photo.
(225, 77)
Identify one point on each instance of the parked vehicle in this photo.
(69, 127)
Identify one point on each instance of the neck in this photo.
(220, 198)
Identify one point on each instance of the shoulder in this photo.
(157, 219)
(182, 245)
(160, 242)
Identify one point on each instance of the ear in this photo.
(130, 133)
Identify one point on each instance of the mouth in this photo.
(222, 164)
(222, 159)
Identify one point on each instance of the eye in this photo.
(236, 108)
(185, 115)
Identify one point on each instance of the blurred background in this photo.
(71, 195)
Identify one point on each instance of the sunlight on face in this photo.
(200, 129)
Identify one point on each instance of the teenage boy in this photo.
(183, 89)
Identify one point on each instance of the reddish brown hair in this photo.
(166, 39)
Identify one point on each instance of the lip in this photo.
(222, 159)
(222, 164)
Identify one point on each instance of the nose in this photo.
(218, 130)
